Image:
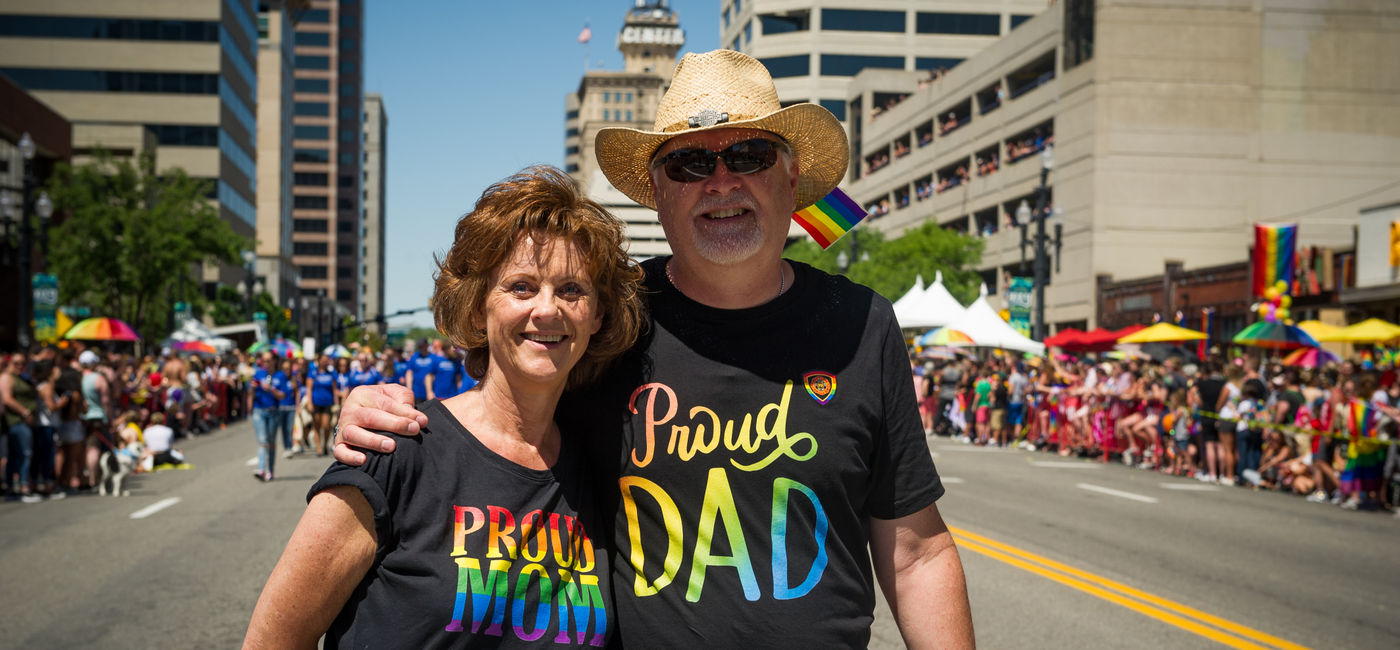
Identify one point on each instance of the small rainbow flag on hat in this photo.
(830, 218)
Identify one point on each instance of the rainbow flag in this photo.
(1361, 420)
(1275, 255)
(829, 218)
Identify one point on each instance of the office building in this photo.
(649, 41)
(126, 73)
(813, 49)
(1175, 128)
(327, 127)
(372, 250)
(275, 270)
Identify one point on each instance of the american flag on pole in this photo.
(585, 35)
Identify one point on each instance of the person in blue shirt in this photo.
(420, 368)
(284, 381)
(265, 396)
(447, 375)
(363, 372)
(321, 384)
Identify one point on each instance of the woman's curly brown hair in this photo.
(540, 202)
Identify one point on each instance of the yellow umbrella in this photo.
(1371, 330)
(1318, 329)
(1162, 333)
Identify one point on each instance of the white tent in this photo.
(911, 296)
(191, 329)
(933, 307)
(986, 328)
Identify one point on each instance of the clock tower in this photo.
(650, 39)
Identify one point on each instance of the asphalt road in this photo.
(1059, 553)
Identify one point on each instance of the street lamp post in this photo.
(43, 208)
(1042, 242)
(248, 258)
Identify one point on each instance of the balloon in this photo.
(1271, 293)
(1282, 313)
(1281, 286)
(1263, 310)
(1272, 314)
(1285, 301)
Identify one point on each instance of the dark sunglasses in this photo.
(747, 157)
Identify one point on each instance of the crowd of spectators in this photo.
(1031, 144)
(950, 181)
(63, 408)
(1325, 434)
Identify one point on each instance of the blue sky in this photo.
(474, 91)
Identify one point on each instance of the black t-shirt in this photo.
(475, 550)
(1209, 391)
(1000, 395)
(755, 447)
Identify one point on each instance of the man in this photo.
(771, 448)
(420, 369)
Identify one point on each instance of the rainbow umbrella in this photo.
(337, 351)
(1318, 329)
(1371, 330)
(281, 347)
(1275, 336)
(101, 328)
(198, 347)
(944, 337)
(1162, 333)
(1309, 358)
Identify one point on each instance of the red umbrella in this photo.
(1068, 336)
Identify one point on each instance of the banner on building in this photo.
(45, 307)
(1019, 297)
(1395, 243)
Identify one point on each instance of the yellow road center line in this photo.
(1086, 581)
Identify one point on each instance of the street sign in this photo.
(1019, 298)
(45, 307)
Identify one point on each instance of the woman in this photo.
(21, 405)
(321, 386)
(284, 381)
(51, 405)
(540, 293)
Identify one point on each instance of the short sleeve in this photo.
(372, 480)
(904, 480)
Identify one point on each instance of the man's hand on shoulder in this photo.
(368, 410)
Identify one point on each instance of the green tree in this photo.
(132, 238)
(892, 265)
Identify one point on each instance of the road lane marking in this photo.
(1115, 493)
(951, 479)
(1189, 487)
(252, 461)
(1153, 606)
(1065, 464)
(155, 507)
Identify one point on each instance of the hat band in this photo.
(705, 118)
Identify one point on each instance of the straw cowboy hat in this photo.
(724, 89)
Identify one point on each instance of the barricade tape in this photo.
(1382, 438)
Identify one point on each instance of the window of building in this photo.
(311, 155)
(571, 168)
(1017, 19)
(347, 135)
(344, 295)
(748, 32)
(307, 132)
(936, 63)
(347, 90)
(345, 273)
(308, 248)
(308, 62)
(861, 20)
(347, 180)
(205, 31)
(310, 178)
(185, 135)
(570, 150)
(347, 22)
(629, 98)
(312, 85)
(114, 81)
(570, 132)
(836, 106)
(347, 67)
(345, 204)
(847, 65)
(348, 113)
(309, 272)
(315, 16)
(571, 115)
(344, 249)
(347, 158)
(957, 23)
(310, 225)
(345, 226)
(314, 39)
(1079, 32)
(347, 44)
(629, 115)
(312, 109)
(796, 21)
(797, 65)
(304, 202)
